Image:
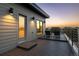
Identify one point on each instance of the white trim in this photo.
(21, 42)
(75, 48)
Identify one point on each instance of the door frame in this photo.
(25, 29)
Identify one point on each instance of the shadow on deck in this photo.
(44, 48)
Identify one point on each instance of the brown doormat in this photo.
(27, 45)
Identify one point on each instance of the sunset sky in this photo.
(61, 14)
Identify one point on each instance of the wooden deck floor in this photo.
(44, 48)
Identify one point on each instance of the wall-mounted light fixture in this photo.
(11, 11)
(33, 18)
(44, 22)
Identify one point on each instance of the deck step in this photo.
(27, 46)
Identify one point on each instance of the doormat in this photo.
(26, 46)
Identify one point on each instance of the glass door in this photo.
(39, 27)
(21, 28)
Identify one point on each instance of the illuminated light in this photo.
(32, 24)
(8, 18)
(11, 13)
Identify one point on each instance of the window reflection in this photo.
(21, 26)
(39, 27)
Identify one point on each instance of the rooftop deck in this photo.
(44, 48)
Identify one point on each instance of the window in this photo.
(21, 26)
(39, 27)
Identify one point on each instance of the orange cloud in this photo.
(57, 22)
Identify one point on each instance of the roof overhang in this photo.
(35, 8)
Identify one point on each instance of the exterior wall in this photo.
(8, 30)
(9, 33)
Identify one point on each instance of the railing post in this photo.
(72, 37)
